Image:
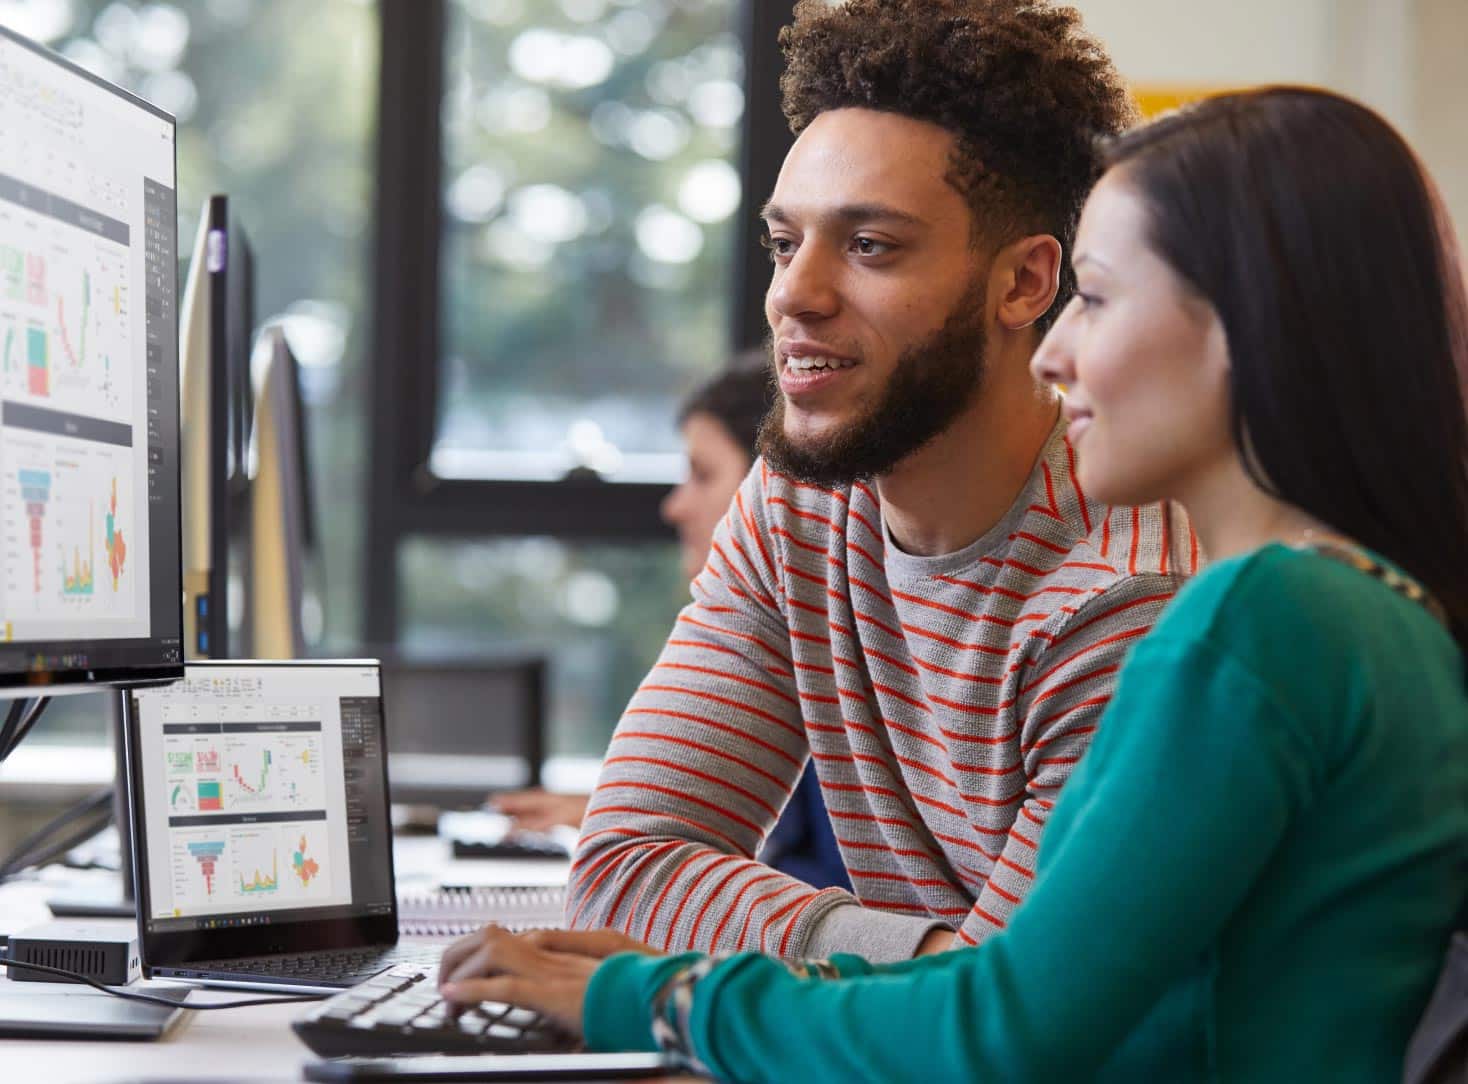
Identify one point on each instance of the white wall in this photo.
(1205, 41)
(1408, 59)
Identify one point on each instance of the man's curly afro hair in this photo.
(1025, 92)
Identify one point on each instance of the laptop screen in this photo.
(260, 795)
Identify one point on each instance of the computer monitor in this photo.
(281, 557)
(460, 728)
(89, 407)
(217, 325)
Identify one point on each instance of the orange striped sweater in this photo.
(944, 700)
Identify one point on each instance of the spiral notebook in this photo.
(455, 911)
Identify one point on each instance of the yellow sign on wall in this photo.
(1155, 98)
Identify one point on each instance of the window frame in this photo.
(404, 498)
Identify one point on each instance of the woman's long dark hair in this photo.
(1319, 239)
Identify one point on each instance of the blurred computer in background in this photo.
(459, 729)
(218, 319)
(248, 536)
(281, 564)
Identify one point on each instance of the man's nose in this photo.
(806, 286)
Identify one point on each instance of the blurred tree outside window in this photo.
(589, 198)
(276, 103)
(590, 191)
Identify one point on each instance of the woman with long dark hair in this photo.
(1270, 329)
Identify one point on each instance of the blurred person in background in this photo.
(719, 423)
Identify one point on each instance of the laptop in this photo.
(262, 850)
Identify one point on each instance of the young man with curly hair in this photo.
(911, 587)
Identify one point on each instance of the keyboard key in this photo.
(519, 1018)
(395, 1016)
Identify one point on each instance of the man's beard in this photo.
(933, 382)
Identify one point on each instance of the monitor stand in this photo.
(117, 899)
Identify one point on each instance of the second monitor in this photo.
(459, 729)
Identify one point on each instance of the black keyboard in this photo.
(512, 845)
(400, 1012)
(336, 967)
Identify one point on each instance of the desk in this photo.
(250, 1044)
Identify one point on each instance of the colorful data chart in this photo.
(35, 491)
(306, 868)
(116, 548)
(262, 782)
(211, 798)
(206, 853)
(261, 883)
(207, 760)
(78, 582)
(180, 797)
(38, 368)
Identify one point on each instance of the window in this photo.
(581, 278)
(588, 193)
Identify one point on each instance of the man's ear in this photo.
(1026, 273)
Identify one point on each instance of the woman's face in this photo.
(1143, 361)
(716, 466)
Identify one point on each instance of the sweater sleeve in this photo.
(704, 758)
(1201, 774)
(1059, 693)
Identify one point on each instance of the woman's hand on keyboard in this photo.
(544, 970)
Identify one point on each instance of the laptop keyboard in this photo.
(400, 1012)
(344, 967)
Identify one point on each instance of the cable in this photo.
(56, 849)
(153, 999)
(25, 853)
(19, 720)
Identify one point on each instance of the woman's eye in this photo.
(1088, 301)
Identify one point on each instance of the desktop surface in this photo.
(255, 1044)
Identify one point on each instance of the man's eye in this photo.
(870, 246)
(779, 248)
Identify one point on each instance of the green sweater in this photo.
(1251, 876)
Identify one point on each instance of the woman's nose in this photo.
(1053, 361)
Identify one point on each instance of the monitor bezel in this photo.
(181, 947)
(36, 681)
